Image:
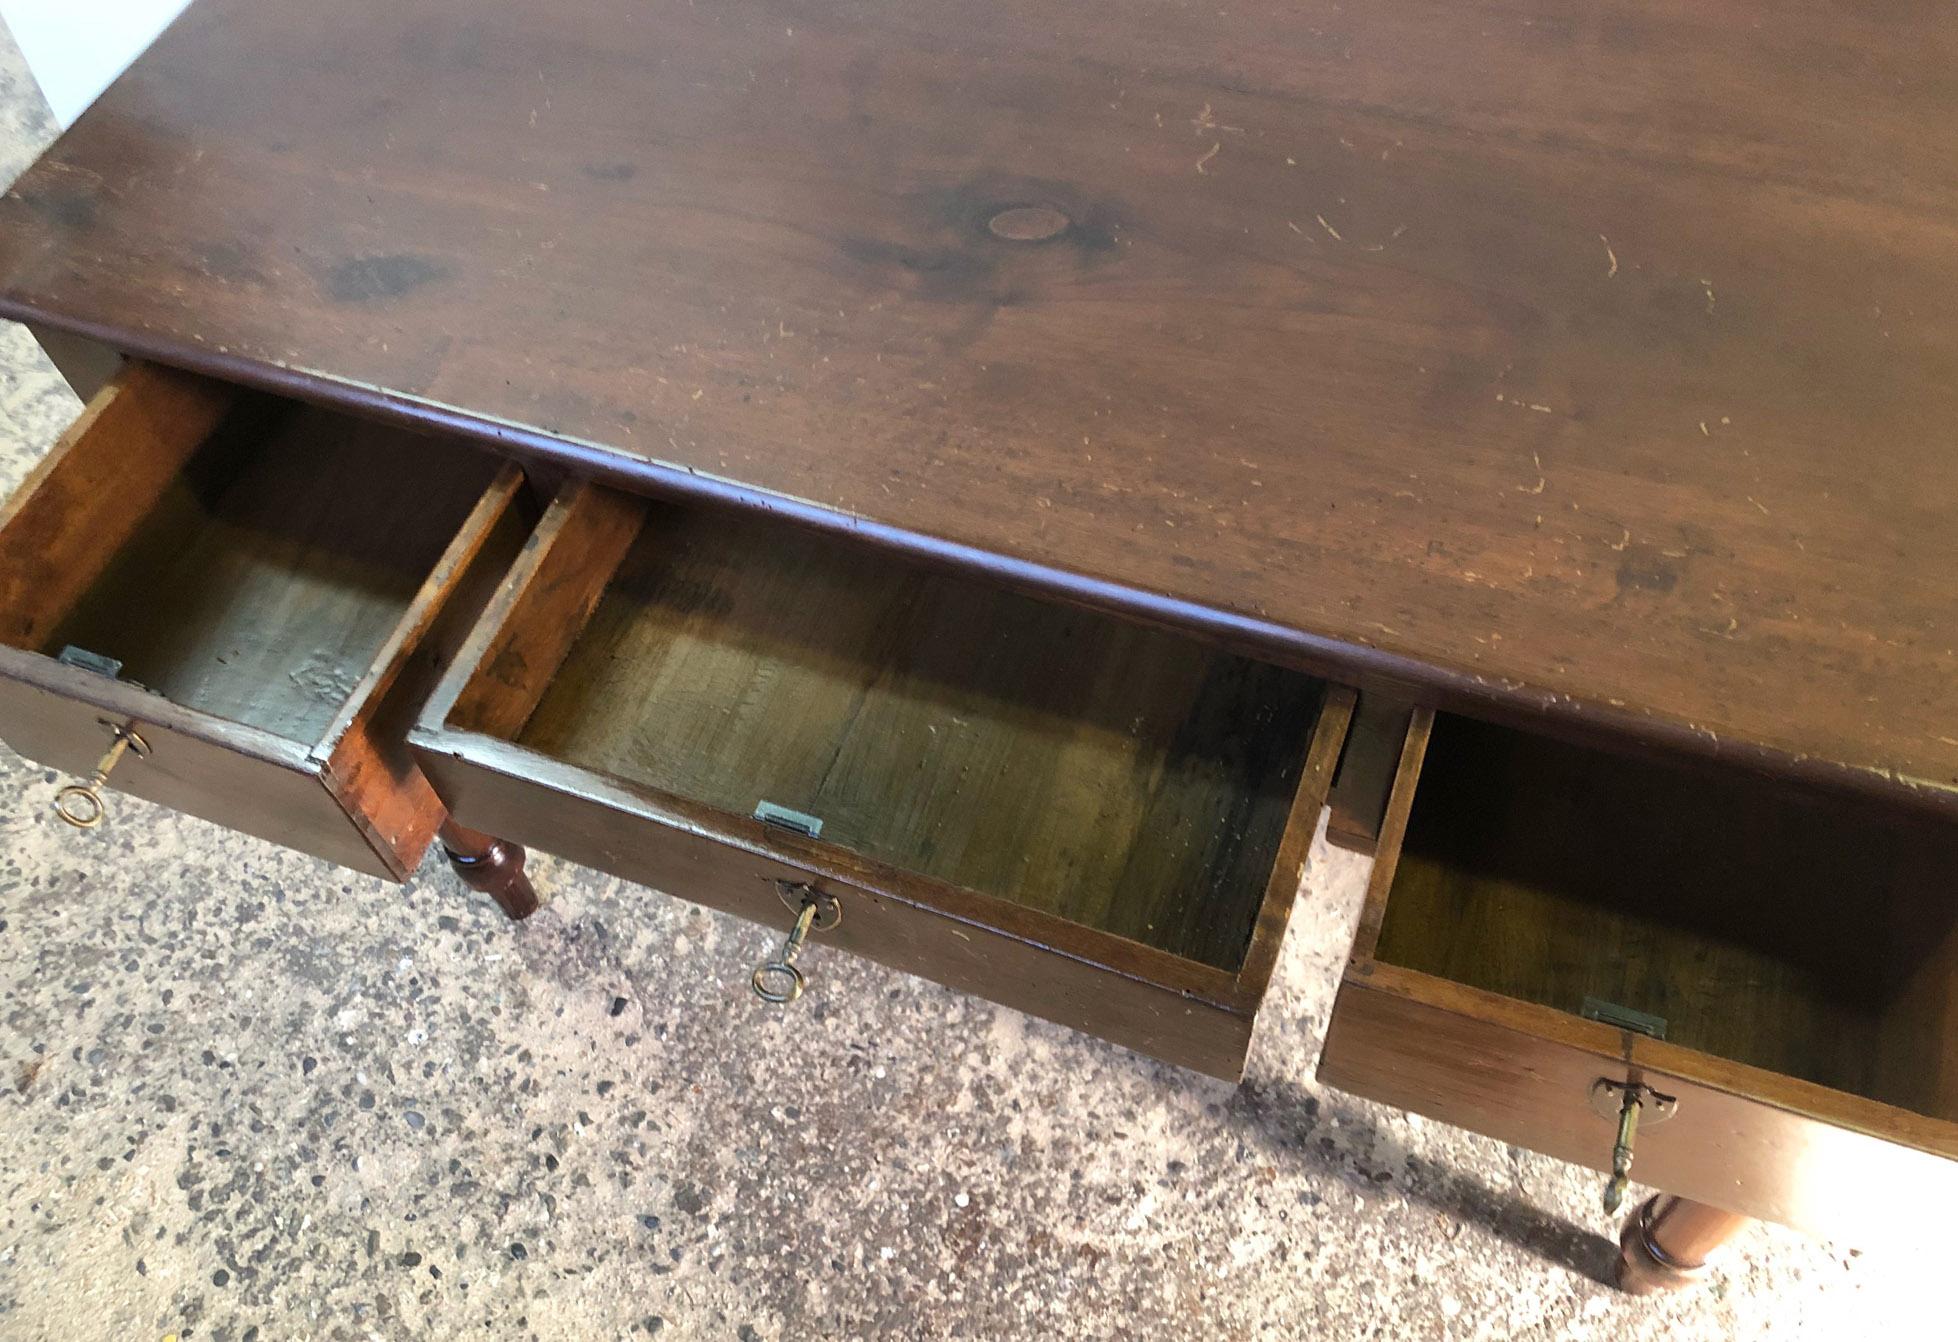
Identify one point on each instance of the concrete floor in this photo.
(247, 1095)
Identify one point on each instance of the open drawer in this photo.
(254, 597)
(1539, 912)
(1098, 822)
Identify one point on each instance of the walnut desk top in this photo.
(1593, 367)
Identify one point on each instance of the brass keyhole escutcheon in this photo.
(1028, 223)
(80, 804)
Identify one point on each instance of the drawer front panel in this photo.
(1509, 1081)
(1523, 1074)
(739, 877)
(1095, 822)
(1743, 1136)
(245, 780)
(1795, 1154)
(281, 588)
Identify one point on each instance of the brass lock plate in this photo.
(794, 894)
(1608, 1101)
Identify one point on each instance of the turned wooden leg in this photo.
(1667, 1241)
(492, 865)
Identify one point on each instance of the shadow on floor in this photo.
(1289, 1121)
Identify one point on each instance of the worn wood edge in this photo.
(1509, 1013)
(1655, 1061)
(356, 776)
(1134, 1013)
(94, 408)
(87, 365)
(1393, 833)
(126, 701)
(370, 773)
(461, 553)
(573, 553)
(1363, 782)
(1487, 1072)
(581, 542)
(172, 414)
(137, 381)
(1791, 1094)
(1338, 1068)
(1359, 1067)
(1540, 708)
(1795, 1095)
(1288, 868)
(1052, 934)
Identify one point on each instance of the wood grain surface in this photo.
(268, 575)
(1582, 365)
(1357, 802)
(1746, 1139)
(281, 588)
(1761, 922)
(1134, 995)
(364, 756)
(538, 667)
(232, 774)
(1802, 954)
(97, 487)
(1105, 771)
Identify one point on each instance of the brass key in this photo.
(80, 804)
(1628, 1101)
(779, 980)
(1621, 1151)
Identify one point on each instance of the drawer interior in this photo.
(261, 577)
(1115, 775)
(1766, 923)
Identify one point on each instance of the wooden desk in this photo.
(1588, 373)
